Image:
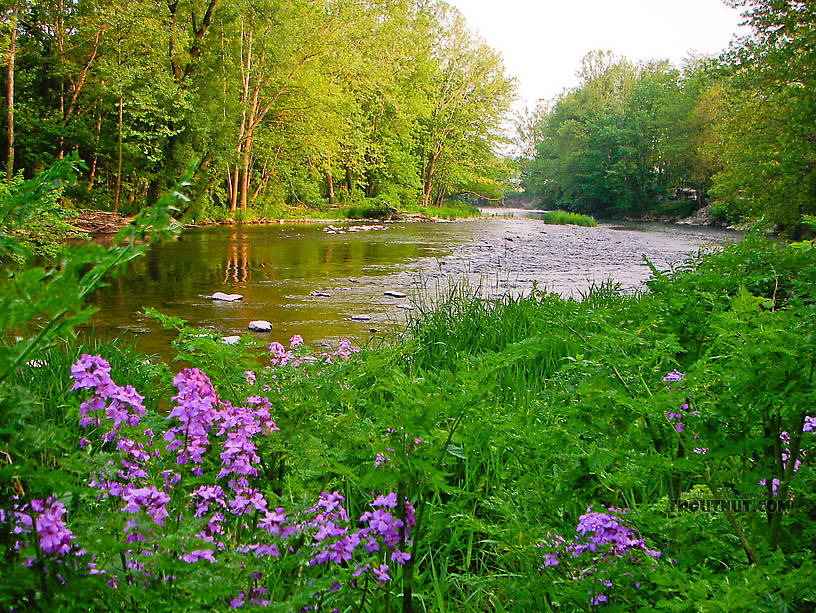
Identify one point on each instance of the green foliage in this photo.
(501, 421)
(739, 129)
(624, 140)
(767, 130)
(38, 309)
(289, 104)
(565, 218)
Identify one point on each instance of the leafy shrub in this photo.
(566, 218)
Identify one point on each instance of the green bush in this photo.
(566, 218)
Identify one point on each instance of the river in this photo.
(311, 279)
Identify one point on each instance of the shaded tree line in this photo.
(282, 102)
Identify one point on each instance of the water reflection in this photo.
(237, 261)
(308, 282)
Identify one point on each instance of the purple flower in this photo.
(150, 499)
(125, 407)
(673, 376)
(197, 555)
(54, 536)
(400, 557)
(196, 409)
(381, 572)
(389, 500)
(550, 559)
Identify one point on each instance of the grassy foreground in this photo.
(619, 453)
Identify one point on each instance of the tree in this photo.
(469, 95)
(769, 132)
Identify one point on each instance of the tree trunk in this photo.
(246, 65)
(92, 174)
(10, 92)
(245, 176)
(234, 189)
(118, 190)
(349, 181)
(427, 184)
(330, 187)
(60, 52)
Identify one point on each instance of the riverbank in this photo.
(523, 454)
(95, 222)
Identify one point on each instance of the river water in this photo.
(311, 279)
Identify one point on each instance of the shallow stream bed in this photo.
(311, 279)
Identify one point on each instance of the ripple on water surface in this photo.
(277, 267)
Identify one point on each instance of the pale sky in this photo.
(543, 41)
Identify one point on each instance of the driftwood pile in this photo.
(99, 222)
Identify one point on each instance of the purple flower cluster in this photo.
(785, 438)
(281, 356)
(396, 437)
(196, 407)
(240, 424)
(222, 502)
(119, 405)
(605, 537)
(255, 597)
(52, 535)
(344, 351)
(333, 541)
(296, 356)
(677, 416)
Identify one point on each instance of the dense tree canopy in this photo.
(282, 101)
(738, 131)
(769, 133)
(622, 140)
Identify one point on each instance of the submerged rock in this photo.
(318, 294)
(230, 340)
(360, 317)
(405, 307)
(222, 297)
(260, 325)
(394, 294)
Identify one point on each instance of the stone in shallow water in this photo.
(405, 307)
(230, 340)
(394, 294)
(318, 294)
(222, 297)
(360, 317)
(260, 325)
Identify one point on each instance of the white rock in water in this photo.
(318, 294)
(260, 326)
(360, 317)
(230, 340)
(405, 307)
(221, 296)
(394, 294)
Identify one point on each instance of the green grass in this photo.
(527, 410)
(564, 218)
